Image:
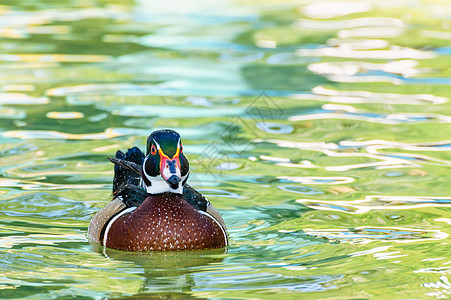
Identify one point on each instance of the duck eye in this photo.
(153, 150)
(181, 148)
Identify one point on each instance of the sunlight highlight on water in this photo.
(320, 130)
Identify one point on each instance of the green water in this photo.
(320, 130)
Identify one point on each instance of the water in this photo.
(320, 130)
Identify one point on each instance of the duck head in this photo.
(165, 167)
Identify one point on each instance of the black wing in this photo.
(195, 198)
(123, 174)
(127, 175)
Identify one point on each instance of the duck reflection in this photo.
(168, 274)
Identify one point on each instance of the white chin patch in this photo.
(159, 185)
(168, 174)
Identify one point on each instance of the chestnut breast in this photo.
(165, 222)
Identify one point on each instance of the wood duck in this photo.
(153, 208)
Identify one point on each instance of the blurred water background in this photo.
(319, 129)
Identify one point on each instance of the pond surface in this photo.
(320, 130)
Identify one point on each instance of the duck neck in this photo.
(160, 186)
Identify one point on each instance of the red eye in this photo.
(181, 148)
(153, 150)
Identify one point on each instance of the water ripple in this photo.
(366, 234)
(334, 111)
(109, 133)
(405, 68)
(21, 99)
(372, 203)
(397, 53)
(329, 9)
(318, 180)
(269, 281)
(350, 23)
(325, 94)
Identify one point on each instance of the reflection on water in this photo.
(319, 129)
(166, 273)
